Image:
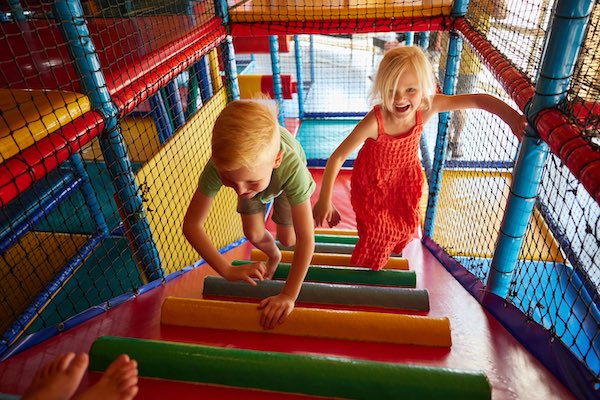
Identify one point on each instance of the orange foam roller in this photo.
(252, 85)
(343, 232)
(314, 322)
(333, 259)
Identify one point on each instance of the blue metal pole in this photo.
(158, 110)
(21, 323)
(424, 40)
(222, 10)
(89, 194)
(410, 38)
(299, 77)
(16, 9)
(441, 142)
(566, 35)
(174, 101)
(459, 8)
(69, 13)
(204, 81)
(24, 222)
(274, 49)
(425, 157)
(231, 69)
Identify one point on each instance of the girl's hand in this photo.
(246, 272)
(326, 211)
(275, 310)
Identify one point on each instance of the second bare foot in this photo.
(119, 382)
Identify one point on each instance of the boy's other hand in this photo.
(275, 310)
(247, 272)
(326, 211)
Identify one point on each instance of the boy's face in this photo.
(248, 182)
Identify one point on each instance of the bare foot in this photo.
(58, 379)
(119, 382)
(272, 264)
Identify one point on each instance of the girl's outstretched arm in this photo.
(492, 104)
(324, 210)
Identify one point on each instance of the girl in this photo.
(387, 180)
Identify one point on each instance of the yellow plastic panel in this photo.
(30, 115)
(28, 266)
(470, 213)
(307, 10)
(140, 138)
(337, 260)
(250, 86)
(168, 182)
(314, 322)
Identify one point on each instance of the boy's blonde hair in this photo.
(397, 61)
(246, 134)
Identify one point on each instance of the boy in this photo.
(261, 161)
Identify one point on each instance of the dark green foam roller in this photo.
(291, 373)
(339, 248)
(345, 275)
(342, 239)
(324, 293)
(335, 248)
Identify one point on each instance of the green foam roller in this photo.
(345, 275)
(291, 373)
(341, 239)
(324, 293)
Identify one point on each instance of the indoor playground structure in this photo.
(106, 112)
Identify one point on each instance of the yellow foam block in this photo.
(30, 115)
(314, 322)
(337, 260)
(250, 85)
(341, 232)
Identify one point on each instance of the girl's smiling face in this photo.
(408, 96)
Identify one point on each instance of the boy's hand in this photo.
(246, 272)
(275, 310)
(326, 211)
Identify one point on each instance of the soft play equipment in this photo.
(312, 322)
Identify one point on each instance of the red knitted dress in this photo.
(386, 188)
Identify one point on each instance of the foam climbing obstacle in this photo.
(291, 373)
(339, 248)
(355, 276)
(313, 322)
(321, 293)
(337, 260)
(339, 232)
(30, 115)
(252, 85)
(341, 239)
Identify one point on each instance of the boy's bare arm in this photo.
(193, 229)
(303, 252)
(277, 308)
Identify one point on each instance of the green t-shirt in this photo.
(291, 177)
